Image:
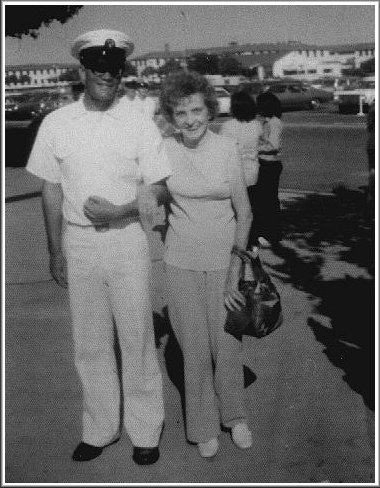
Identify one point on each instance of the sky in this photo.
(207, 24)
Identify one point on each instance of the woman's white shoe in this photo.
(209, 448)
(242, 436)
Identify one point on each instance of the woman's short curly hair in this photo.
(182, 84)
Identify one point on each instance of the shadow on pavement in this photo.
(328, 252)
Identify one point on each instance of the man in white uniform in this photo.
(103, 170)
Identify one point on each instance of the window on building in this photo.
(290, 72)
(328, 70)
(311, 71)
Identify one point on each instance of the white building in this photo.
(317, 61)
(36, 76)
(291, 59)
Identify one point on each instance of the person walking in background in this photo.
(93, 155)
(146, 104)
(129, 96)
(247, 131)
(266, 228)
(209, 214)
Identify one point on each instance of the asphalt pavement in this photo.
(308, 424)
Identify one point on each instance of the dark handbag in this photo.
(262, 313)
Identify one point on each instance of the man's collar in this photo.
(113, 111)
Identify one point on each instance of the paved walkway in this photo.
(309, 426)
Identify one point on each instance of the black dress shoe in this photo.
(86, 452)
(145, 455)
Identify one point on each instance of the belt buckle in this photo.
(102, 227)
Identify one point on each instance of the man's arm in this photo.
(52, 198)
(101, 211)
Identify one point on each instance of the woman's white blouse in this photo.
(202, 221)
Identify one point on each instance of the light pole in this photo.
(185, 30)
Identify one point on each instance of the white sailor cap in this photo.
(103, 43)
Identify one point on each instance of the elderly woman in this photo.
(210, 213)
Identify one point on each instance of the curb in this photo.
(286, 191)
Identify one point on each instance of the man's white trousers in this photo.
(109, 288)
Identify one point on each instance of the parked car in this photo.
(224, 100)
(29, 106)
(293, 95)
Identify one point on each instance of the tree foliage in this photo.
(149, 71)
(169, 66)
(27, 19)
(205, 64)
(71, 74)
(368, 66)
(129, 69)
(229, 66)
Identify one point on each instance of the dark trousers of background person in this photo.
(371, 174)
(265, 203)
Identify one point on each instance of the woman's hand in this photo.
(233, 299)
(100, 210)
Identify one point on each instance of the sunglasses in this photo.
(99, 69)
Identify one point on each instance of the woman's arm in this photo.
(233, 299)
(271, 138)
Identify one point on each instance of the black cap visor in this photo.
(103, 60)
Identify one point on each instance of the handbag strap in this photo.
(245, 256)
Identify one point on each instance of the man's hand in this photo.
(100, 210)
(58, 268)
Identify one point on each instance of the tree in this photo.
(205, 64)
(11, 79)
(148, 71)
(27, 19)
(129, 69)
(169, 66)
(24, 79)
(368, 66)
(71, 74)
(229, 66)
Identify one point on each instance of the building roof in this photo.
(230, 49)
(26, 67)
(239, 49)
